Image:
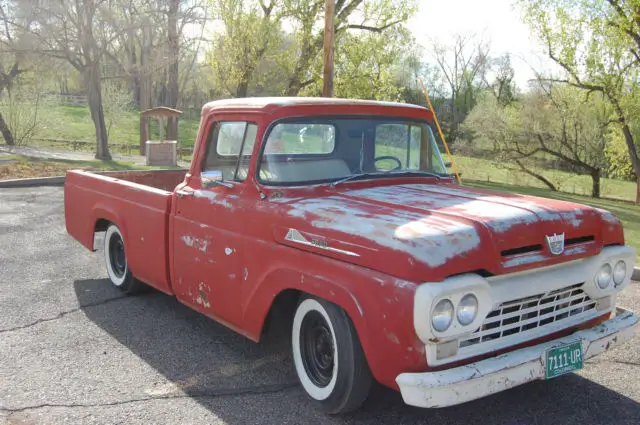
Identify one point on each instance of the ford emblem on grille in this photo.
(555, 243)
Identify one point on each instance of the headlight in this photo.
(619, 272)
(467, 309)
(442, 315)
(603, 278)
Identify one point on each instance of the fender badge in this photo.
(294, 235)
(555, 243)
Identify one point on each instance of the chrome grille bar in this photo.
(530, 313)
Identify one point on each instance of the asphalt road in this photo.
(73, 350)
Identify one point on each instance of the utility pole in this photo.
(329, 13)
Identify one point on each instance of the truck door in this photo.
(208, 227)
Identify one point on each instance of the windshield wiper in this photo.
(355, 177)
(385, 174)
(418, 172)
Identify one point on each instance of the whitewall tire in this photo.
(328, 358)
(116, 261)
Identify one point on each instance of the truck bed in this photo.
(139, 202)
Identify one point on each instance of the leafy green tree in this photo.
(251, 34)
(364, 66)
(597, 44)
(553, 126)
(374, 16)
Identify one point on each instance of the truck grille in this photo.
(529, 313)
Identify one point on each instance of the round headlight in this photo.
(442, 315)
(603, 278)
(467, 309)
(619, 272)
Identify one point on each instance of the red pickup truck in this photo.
(340, 216)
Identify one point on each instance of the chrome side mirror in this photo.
(213, 178)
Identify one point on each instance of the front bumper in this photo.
(480, 379)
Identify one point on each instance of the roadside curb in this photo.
(635, 275)
(38, 181)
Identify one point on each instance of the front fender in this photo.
(380, 307)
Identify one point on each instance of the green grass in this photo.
(627, 212)
(488, 171)
(74, 123)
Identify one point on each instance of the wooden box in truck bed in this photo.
(140, 201)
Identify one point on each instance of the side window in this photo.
(223, 151)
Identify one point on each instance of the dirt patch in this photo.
(22, 169)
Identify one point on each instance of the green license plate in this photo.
(563, 359)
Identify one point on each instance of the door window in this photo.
(229, 149)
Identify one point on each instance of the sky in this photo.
(499, 21)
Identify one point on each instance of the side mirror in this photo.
(448, 164)
(213, 178)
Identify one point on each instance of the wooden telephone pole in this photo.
(329, 13)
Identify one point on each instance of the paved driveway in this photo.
(74, 350)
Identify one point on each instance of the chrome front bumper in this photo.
(480, 379)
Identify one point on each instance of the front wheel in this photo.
(328, 357)
(116, 261)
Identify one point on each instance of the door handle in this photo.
(182, 193)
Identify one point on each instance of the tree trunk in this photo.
(173, 86)
(595, 177)
(242, 89)
(94, 91)
(145, 79)
(631, 146)
(6, 132)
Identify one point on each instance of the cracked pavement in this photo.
(74, 350)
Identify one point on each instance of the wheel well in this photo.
(101, 225)
(280, 315)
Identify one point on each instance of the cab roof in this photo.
(270, 104)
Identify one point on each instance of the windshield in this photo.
(326, 150)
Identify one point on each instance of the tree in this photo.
(373, 16)
(364, 65)
(464, 65)
(66, 30)
(503, 86)
(251, 33)
(597, 44)
(553, 126)
(11, 63)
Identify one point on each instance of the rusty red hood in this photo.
(429, 231)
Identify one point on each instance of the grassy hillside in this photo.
(74, 123)
(488, 171)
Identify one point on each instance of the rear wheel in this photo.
(116, 261)
(328, 357)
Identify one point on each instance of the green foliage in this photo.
(617, 156)
(364, 65)
(597, 43)
(555, 126)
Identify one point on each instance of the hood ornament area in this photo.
(555, 243)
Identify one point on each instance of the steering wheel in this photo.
(380, 158)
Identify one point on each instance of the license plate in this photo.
(563, 359)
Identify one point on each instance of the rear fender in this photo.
(103, 212)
